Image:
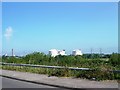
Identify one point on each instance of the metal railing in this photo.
(45, 66)
(54, 67)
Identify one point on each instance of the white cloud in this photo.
(8, 33)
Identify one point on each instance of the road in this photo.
(11, 83)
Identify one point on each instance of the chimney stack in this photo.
(12, 52)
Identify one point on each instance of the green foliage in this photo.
(70, 61)
(96, 74)
(115, 59)
(0, 59)
(102, 66)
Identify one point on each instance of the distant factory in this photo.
(12, 53)
(55, 52)
(76, 52)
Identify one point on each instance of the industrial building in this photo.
(54, 52)
(77, 52)
(61, 52)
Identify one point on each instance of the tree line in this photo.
(86, 60)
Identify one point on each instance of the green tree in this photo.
(115, 59)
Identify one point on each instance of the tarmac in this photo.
(63, 82)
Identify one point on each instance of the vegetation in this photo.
(0, 59)
(101, 65)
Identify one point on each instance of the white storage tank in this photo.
(53, 52)
(61, 52)
(77, 52)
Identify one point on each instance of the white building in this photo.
(6, 54)
(61, 52)
(54, 52)
(77, 52)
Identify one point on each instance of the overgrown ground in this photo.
(102, 66)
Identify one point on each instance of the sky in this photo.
(41, 26)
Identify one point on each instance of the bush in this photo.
(96, 74)
(115, 59)
(101, 67)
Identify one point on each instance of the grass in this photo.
(96, 74)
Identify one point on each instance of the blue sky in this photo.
(29, 27)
